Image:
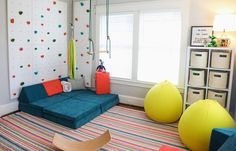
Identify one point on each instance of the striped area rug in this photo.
(130, 130)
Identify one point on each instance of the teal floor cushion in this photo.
(36, 107)
(221, 139)
(41, 104)
(229, 145)
(72, 109)
(32, 93)
(76, 93)
(28, 108)
(72, 112)
(105, 101)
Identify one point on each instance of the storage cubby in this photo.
(218, 79)
(220, 96)
(199, 59)
(209, 74)
(195, 95)
(196, 77)
(220, 59)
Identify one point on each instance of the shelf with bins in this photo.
(209, 74)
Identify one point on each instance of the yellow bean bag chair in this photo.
(163, 103)
(199, 119)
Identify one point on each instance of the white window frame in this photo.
(135, 9)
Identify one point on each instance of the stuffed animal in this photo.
(101, 67)
(67, 87)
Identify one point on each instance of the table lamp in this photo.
(224, 23)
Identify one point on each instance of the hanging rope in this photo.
(108, 42)
(72, 55)
(91, 43)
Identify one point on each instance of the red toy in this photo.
(102, 83)
(169, 148)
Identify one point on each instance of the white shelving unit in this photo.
(221, 70)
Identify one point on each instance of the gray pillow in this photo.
(77, 84)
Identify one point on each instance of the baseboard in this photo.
(8, 108)
(130, 100)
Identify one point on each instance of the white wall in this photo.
(4, 88)
(197, 13)
(200, 12)
(135, 89)
(7, 105)
(139, 90)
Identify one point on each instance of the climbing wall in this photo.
(81, 35)
(37, 32)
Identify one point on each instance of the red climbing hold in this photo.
(12, 20)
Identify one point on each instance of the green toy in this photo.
(213, 42)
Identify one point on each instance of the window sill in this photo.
(134, 83)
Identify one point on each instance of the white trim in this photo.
(140, 84)
(135, 51)
(125, 99)
(150, 5)
(8, 108)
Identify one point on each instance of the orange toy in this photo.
(169, 148)
(102, 83)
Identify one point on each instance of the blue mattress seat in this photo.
(32, 93)
(105, 101)
(72, 109)
(36, 107)
(78, 93)
(221, 139)
(28, 108)
(39, 105)
(72, 112)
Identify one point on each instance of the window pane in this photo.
(121, 34)
(159, 47)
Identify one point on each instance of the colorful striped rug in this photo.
(130, 130)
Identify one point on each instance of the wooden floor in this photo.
(131, 107)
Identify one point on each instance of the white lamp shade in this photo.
(225, 23)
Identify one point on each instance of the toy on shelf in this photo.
(213, 42)
(101, 67)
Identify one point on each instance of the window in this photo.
(121, 33)
(159, 47)
(145, 44)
